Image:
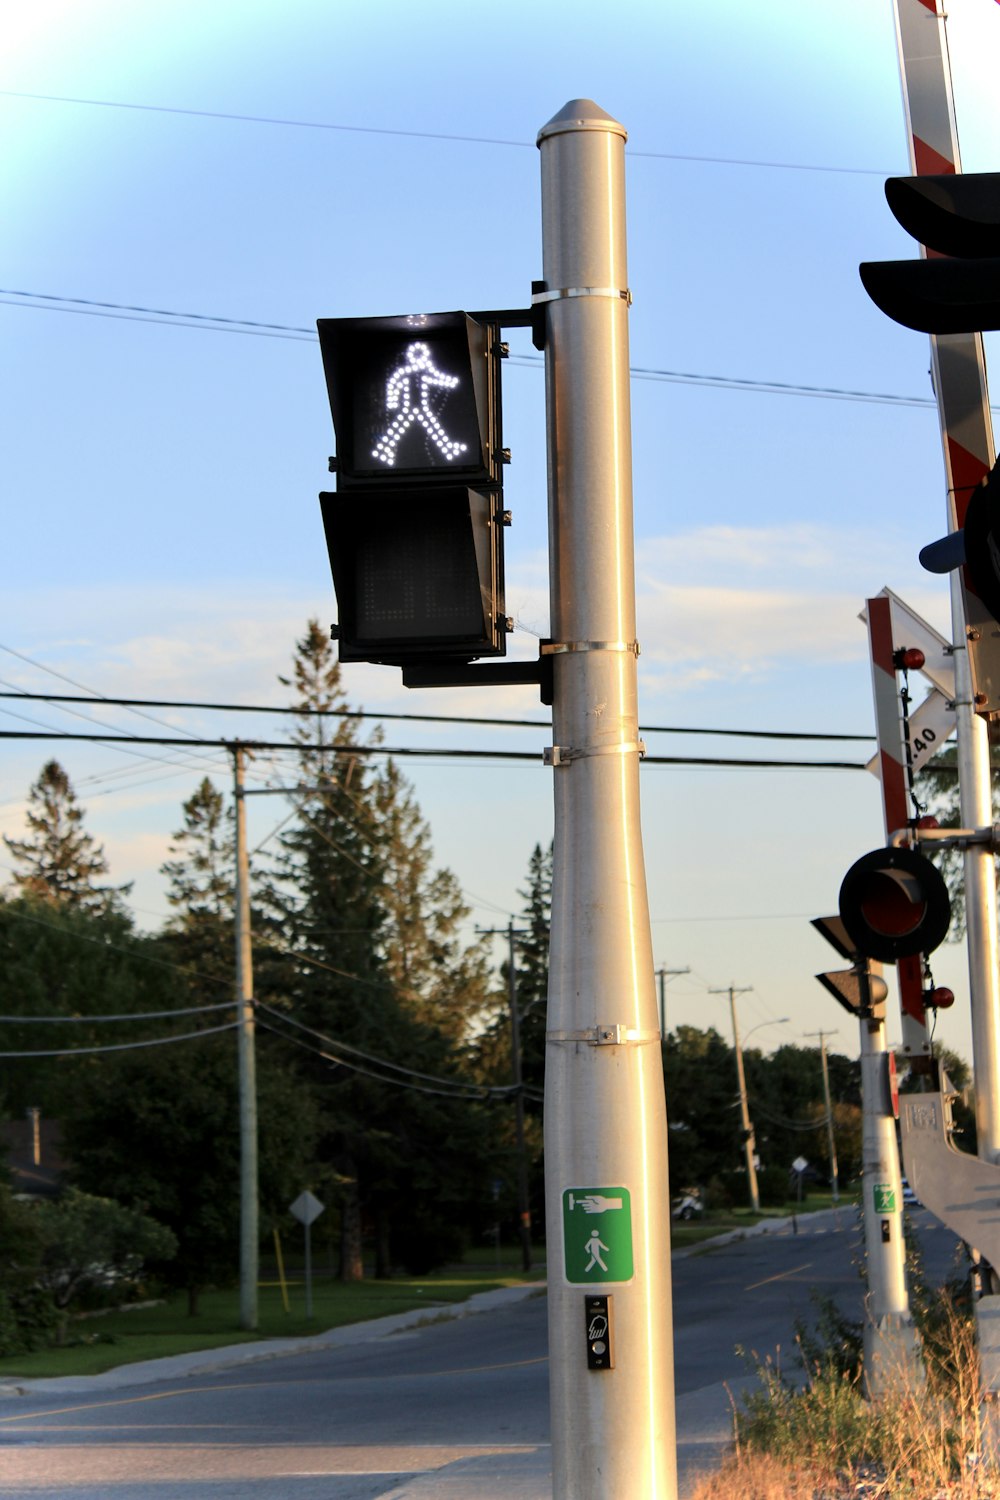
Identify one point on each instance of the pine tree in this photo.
(533, 967)
(201, 887)
(437, 978)
(377, 965)
(60, 862)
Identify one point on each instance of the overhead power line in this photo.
(138, 1015)
(160, 1041)
(375, 713)
(438, 753)
(426, 135)
(211, 323)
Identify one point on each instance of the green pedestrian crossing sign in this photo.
(597, 1234)
(885, 1198)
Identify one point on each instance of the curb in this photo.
(840, 1218)
(226, 1356)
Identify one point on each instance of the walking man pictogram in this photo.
(407, 392)
(593, 1247)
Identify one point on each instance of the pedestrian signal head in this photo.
(415, 527)
(413, 398)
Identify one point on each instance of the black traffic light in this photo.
(859, 989)
(894, 904)
(414, 529)
(957, 288)
(975, 547)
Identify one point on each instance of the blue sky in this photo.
(162, 534)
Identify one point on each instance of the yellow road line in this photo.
(243, 1385)
(779, 1277)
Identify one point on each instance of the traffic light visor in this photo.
(936, 296)
(409, 396)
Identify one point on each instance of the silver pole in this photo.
(889, 1338)
(607, 1193)
(958, 373)
(249, 1249)
(976, 801)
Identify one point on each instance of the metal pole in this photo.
(607, 1193)
(980, 886)
(890, 1350)
(523, 1204)
(249, 1251)
(958, 369)
(749, 1142)
(831, 1144)
(309, 1270)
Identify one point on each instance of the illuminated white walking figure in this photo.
(407, 392)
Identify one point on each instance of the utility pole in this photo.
(523, 1200)
(749, 1143)
(662, 975)
(834, 1177)
(607, 1193)
(249, 1250)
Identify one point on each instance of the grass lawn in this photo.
(120, 1338)
(721, 1221)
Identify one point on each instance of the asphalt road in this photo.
(359, 1422)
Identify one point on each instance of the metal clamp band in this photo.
(583, 291)
(555, 648)
(605, 1034)
(561, 755)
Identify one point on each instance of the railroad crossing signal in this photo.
(894, 904)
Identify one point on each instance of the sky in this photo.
(271, 164)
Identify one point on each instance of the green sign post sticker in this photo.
(885, 1198)
(597, 1234)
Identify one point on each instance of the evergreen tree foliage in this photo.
(495, 1064)
(60, 862)
(158, 1130)
(200, 933)
(374, 964)
(61, 960)
(787, 1108)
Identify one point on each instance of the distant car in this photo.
(910, 1198)
(688, 1205)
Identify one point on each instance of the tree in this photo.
(159, 1129)
(94, 1242)
(27, 1315)
(439, 980)
(531, 980)
(60, 863)
(200, 934)
(374, 966)
(62, 960)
